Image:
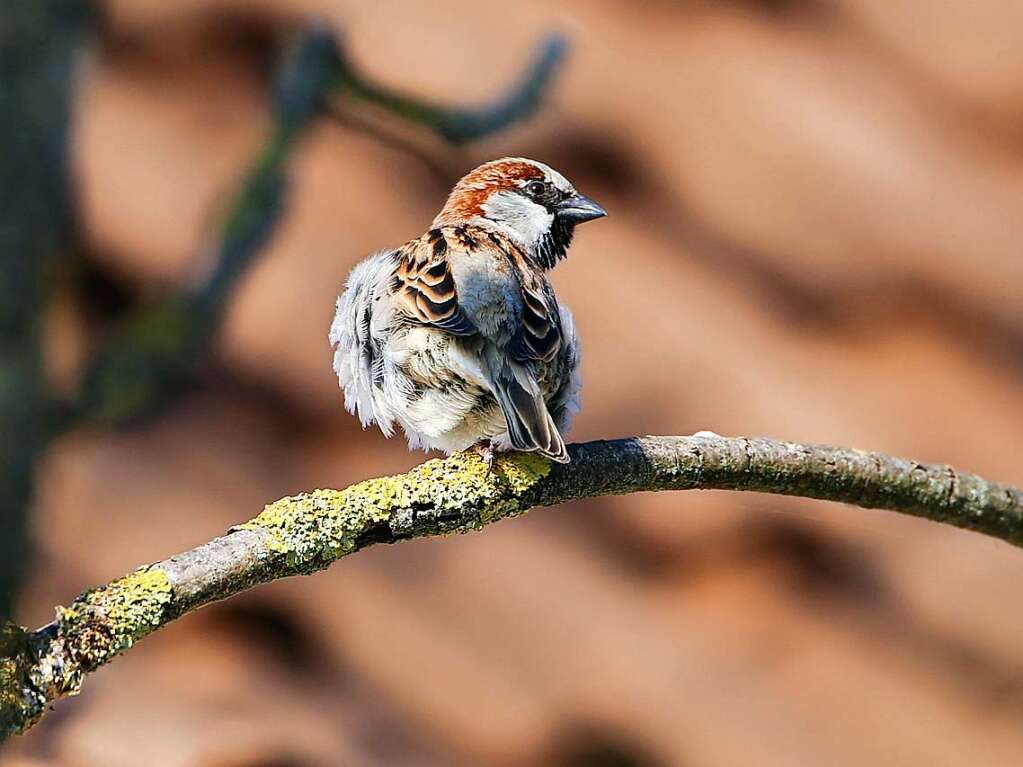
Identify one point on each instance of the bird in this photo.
(457, 336)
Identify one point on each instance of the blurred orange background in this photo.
(814, 234)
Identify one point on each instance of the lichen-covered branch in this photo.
(308, 532)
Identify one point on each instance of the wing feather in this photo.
(540, 336)
(425, 288)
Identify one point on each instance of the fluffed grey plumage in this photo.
(457, 337)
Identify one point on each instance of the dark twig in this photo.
(151, 354)
(460, 125)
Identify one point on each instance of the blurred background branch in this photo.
(150, 355)
(303, 534)
(459, 125)
(38, 44)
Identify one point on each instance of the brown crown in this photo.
(469, 195)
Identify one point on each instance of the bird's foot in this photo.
(485, 450)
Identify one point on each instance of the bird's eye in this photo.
(536, 189)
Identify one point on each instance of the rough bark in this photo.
(308, 532)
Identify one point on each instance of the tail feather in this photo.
(530, 425)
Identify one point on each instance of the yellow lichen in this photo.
(522, 470)
(103, 622)
(314, 529)
(15, 696)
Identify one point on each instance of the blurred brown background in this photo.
(814, 234)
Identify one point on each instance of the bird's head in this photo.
(529, 202)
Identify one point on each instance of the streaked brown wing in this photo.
(424, 287)
(539, 337)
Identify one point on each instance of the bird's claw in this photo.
(485, 450)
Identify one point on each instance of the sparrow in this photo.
(457, 336)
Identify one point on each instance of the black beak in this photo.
(579, 209)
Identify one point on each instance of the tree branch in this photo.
(460, 125)
(151, 354)
(305, 533)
